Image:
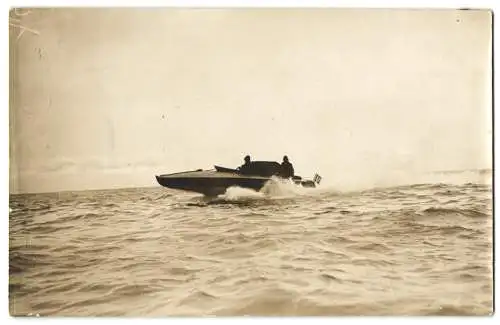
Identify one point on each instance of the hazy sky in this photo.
(110, 97)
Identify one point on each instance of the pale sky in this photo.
(105, 98)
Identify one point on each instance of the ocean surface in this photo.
(414, 249)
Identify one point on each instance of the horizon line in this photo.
(480, 170)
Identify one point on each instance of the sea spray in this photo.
(274, 188)
(366, 180)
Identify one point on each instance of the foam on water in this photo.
(236, 193)
(275, 188)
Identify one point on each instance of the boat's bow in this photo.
(209, 182)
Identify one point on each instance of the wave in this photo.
(472, 213)
(449, 310)
(423, 228)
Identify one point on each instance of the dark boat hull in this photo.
(209, 183)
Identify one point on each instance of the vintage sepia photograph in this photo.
(189, 161)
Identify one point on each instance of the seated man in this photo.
(246, 166)
(286, 168)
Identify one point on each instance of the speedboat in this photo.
(216, 181)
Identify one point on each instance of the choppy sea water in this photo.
(421, 249)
